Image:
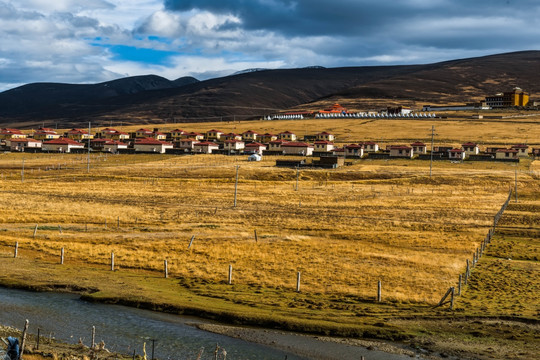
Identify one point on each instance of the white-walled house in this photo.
(151, 145)
(370, 146)
(470, 148)
(419, 147)
(233, 145)
(354, 150)
(323, 146)
(16, 144)
(506, 154)
(456, 154)
(114, 145)
(64, 145)
(523, 150)
(401, 151)
(297, 148)
(205, 147)
(255, 148)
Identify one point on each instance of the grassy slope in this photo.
(341, 226)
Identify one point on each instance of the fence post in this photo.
(256, 238)
(62, 256)
(165, 268)
(35, 231)
(298, 281)
(379, 291)
(112, 261)
(23, 340)
(230, 275)
(459, 285)
(16, 249)
(93, 337)
(452, 298)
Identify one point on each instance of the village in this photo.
(323, 145)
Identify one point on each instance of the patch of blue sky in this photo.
(138, 54)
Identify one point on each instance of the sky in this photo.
(90, 41)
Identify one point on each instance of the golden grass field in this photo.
(343, 229)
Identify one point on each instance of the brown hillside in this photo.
(259, 93)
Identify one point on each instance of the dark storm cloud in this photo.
(446, 23)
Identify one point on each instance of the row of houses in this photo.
(215, 141)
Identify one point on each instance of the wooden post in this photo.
(60, 229)
(37, 340)
(118, 222)
(93, 337)
(298, 281)
(62, 256)
(191, 242)
(23, 339)
(468, 268)
(459, 285)
(16, 249)
(35, 231)
(379, 291)
(105, 223)
(452, 298)
(230, 275)
(112, 261)
(165, 269)
(256, 238)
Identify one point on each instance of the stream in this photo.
(123, 329)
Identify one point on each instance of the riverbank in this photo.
(51, 349)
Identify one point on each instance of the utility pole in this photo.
(431, 157)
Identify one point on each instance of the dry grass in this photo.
(343, 229)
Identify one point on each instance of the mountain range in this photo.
(257, 92)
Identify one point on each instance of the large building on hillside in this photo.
(516, 97)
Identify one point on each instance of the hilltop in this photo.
(152, 99)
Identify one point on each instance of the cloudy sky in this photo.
(86, 41)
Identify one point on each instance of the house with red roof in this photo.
(151, 145)
(213, 135)
(78, 135)
(266, 138)
(45, 134)
(419, 147)
(205, 147)
(144, 133)
(63, 145)
(523, 150)
(113, 146)
(275, 145)
(187, 144)
(470, 148)
(158, 135)
(254, 148)
(287, 136)
(193, 135)
(176, 134)
(7, 133)
(233, 145)
(231, 136)
(323, 146)
(15, 144)
(456, 154)
(354, 150)
(296, 148)
(370, 146)
(507, 154)
(249, 135)
(401, 151)
(325, 136)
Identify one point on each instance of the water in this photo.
(123, 329)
